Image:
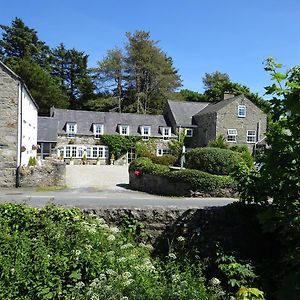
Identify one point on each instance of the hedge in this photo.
(198, 180)
(214, 160)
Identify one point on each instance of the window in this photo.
(251, 136)
(242, 111)
(166, 133)
(71, 130)
(91, 152)
(146, 132)
(162, 151)
(189, 132)
(124, 129)
(231, 135)
(98, 130)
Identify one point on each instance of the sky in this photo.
(201, 36)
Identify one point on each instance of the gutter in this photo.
(20, 126)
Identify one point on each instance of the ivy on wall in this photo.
(118, 145)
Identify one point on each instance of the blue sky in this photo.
(230, 36)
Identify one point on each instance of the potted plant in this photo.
(84, 159)
(98, 161)
(112, 159)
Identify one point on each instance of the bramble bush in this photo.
(56, 253)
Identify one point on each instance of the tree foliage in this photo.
(279, 176)
(210, 80)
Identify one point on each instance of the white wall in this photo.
(29, 121)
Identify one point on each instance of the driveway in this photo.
(104, 177)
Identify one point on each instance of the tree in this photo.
(20, 41)
(41, 85)
(70, 69)
(111, 73)
(279, 176)
(210, 80)
(151, 73)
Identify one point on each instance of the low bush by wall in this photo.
(214, 160)
(50, 173)
(158, 179)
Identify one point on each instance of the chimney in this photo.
(228, 95)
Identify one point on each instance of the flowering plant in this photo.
(137, 173)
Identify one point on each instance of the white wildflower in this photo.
(102, 277)
(110, 253)
(180, 239)
(126, 246)
(111, 272)
(88, 247)
(122, 259)
(77, 252)
(80, 285)
(94, 297)
(100, 221)
(126, 275)
(48, 255)
(128, 282)
(111, 238)
(76, 218)
(104, 226)
(175, 277)
(214, 281)
(114, 230)
(124, 298)
(146, 246)
(172, 255)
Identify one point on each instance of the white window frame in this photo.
(242, 111)
(92, 151)
(164, 135)
(251, 138)
(162, 151)
(122, 127)
(71, 129)
(231, 135)
(144, 134)
(96, 131)
(187, 134)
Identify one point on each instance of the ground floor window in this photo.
(45, 149)
(162, 151)
(251, 136)
(76, 151)
(231, 135)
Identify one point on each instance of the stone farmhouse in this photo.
(75, 133)
(18, 128)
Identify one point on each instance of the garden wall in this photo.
(50, 173)
(160, 185)
(234, 227)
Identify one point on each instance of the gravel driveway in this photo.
(102, 177)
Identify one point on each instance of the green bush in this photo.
(198, 180)
(167, 160)
(214, 160)
(245, 154)
(56, 253)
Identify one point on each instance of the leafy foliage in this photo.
(198, 180)
(279, 177)
(55, 253)
(118, 144)
(214, 160)
(213, 79)
(219, 142)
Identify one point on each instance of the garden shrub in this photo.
(167, 159)
(245, 154)
(214, 160)
(56, 253)
(198, 180)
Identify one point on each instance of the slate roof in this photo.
(47, 129)
(217, 106)
(110, 120)
(183, 111)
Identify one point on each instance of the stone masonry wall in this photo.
(233, 227)
(50, 173)
(8, 128)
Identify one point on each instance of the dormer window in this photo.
(242, 111)
(146, 132)
(166, 133)
(97, 130)
(71, 129)
(124, 129)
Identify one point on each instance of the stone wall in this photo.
(160, 185)
(234, 227)
(50, 173)
(8, 128)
